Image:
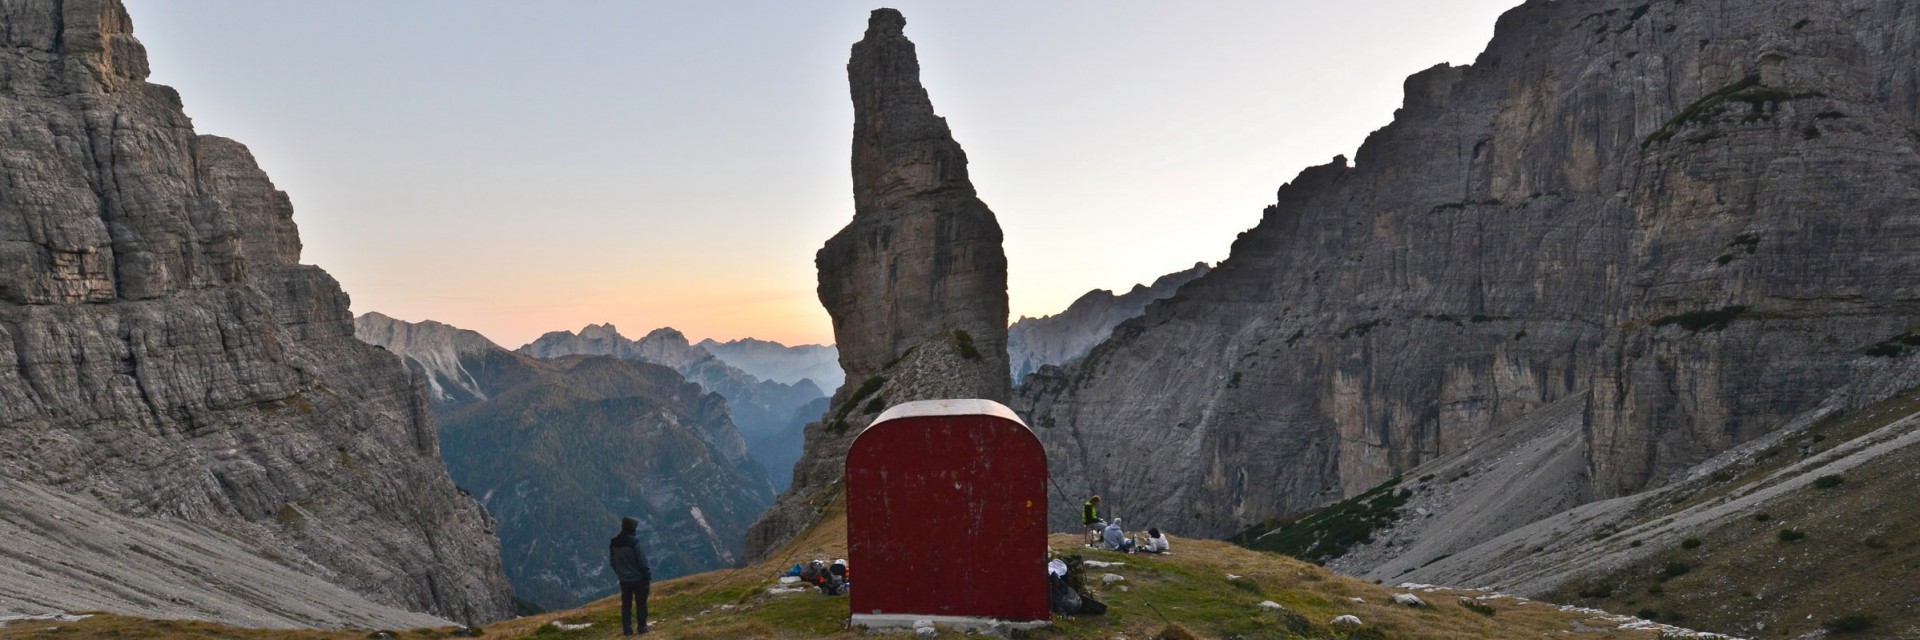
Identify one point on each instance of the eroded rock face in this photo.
(916, 284)
(1704, 214)
(922, 255)
(163, 352)
(1060, 338)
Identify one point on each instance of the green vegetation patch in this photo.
(1319, 536)
(1894, 347)
(1762, 101)
(1851, 623)
(867, 388)
(1698, 321)
(965, 341)
(1361, 330)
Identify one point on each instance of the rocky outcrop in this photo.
(916, 284)
(1060, 338)
(560, 449)
(164, 356)
(1702, 214)
(72, 552)
(433, 351)
(922, 255)
(769, 360)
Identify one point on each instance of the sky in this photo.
(518, 167)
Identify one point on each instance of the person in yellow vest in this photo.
(1090, 518)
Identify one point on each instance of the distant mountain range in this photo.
(770, 360)
(559, 449)
(1063, 337)
(760, 407)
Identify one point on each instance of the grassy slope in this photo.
(1190, 588)
(1860, 555)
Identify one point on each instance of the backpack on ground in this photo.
(1061, 596)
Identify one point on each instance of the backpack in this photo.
(1061, 596)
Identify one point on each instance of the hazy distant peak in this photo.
(597, 332)
(434, 349)
(1056, 339)
(665, 333)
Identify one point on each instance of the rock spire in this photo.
(922, 255)
(916, 284)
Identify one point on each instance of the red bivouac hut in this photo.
(947, 516)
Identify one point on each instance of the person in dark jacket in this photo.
(636, 579)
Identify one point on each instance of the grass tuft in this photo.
(1851, 623)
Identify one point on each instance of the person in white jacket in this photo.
(1156, 542)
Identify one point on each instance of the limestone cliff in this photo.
(916, 284)
(1702, 214)
(1057, 339)
(560, 449)
(433, 350)
(165, 356)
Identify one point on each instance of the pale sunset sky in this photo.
(517, 167)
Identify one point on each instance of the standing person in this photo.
(1090, 518)
(636, 579)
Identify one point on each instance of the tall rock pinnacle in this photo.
(916, 284)
(922, 255)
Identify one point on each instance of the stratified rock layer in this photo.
(1704, 214)
(916, 284)
(164, 354)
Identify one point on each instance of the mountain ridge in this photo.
(168, 365)
(1705, 233)
(560, 449)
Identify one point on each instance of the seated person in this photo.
(1155, 543)
(1116, 539)
(1090, 518)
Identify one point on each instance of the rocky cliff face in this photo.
(1057, 339)
(769, 360)
(560, 449)
(164, 354)
(916, 284)
(922, 255)
(1702, 214)
(433, 351)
